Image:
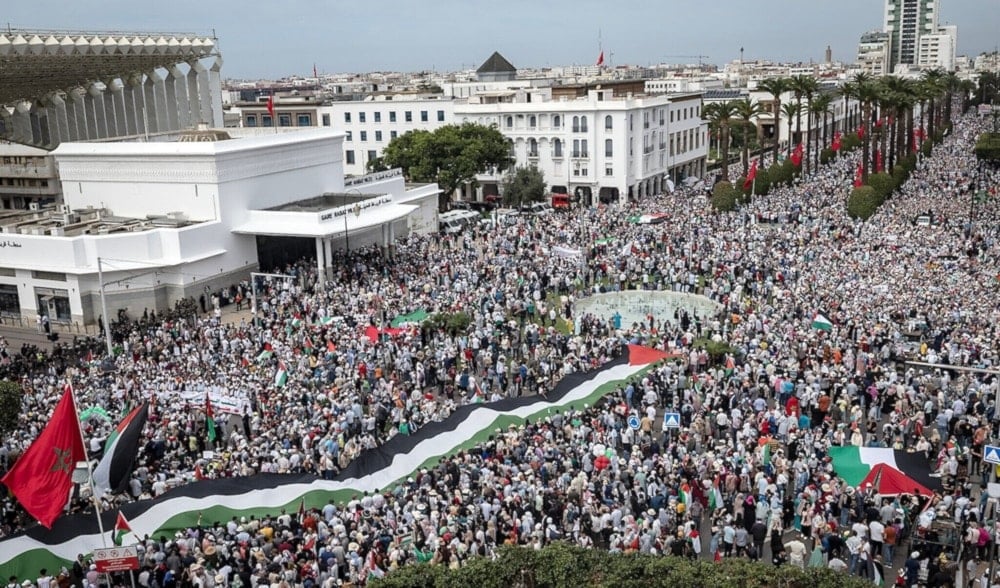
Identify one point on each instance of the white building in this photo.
(27, 175)
(938, 50)
(873, 53)
(184, 215)
(596, 141)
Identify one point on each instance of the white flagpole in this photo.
(90, 468)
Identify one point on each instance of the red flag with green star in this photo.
(43, 477)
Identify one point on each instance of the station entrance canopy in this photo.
(329, 215)
(58, 86)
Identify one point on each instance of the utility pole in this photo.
(104, 309)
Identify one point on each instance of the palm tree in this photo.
(718, 115)
(792, 111)
(934, 83)
(849, 91)
(747, 111)
(821, 107)
(897, 98)
(867, 94)
(806, 87)
(951, 85)
(776, 87)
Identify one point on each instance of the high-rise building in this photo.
(906, 21)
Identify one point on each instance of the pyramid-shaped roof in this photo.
(496, 64)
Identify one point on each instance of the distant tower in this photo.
(829, 55)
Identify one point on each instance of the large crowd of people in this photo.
(747, 474)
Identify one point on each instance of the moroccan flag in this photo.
(600, 59)
(854, 464)
(122, 528)
(270, 105)
(209, 418)
(822, 323)
(836, 142)
(43, 477)
(281, 376)
(858, 177)
(120, 451)
(797, 155)
(748, 183)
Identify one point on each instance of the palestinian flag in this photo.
(374, 470)
(822, 323)
(209, 418)
(120, 451)
(326, 320)
(296, 320)
(308, 343)
(281, 376)
(853, 464)
(266, 354)
(122, 528)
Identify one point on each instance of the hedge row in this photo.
(865, 200)
(560, 564)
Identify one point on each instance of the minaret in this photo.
(829, 55)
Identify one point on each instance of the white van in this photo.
(454, 221)
(536, 208)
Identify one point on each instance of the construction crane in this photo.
(700, 58)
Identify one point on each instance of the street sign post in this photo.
(633, 422)
(671, 420)
(991, 454)
(116, 559)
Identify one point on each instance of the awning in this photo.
(308, 224)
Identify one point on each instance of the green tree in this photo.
(525, 184)
(747, 112)
(805, 86)
(10, 407)
(776, 87)
(863, 202)
(452, 155)
(719, 115)
(820, 109)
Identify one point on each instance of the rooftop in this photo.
(323, 202)
(60, 221)
(496, 63)
(36, 63)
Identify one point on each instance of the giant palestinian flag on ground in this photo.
(218, 500)
(854, 463)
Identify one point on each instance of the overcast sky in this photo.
(272, 38)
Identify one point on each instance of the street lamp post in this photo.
(104, 308)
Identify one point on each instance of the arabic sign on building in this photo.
(357, 208)
(8, 243)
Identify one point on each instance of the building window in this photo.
(532, 147)
(609, 171)
(557, 148)
(350, 156)
(284, 120)
(583, 149)
(556, 121)
(423, 116)
(608, 123)
(251, 120)
(576, 124)
(265, 120)
(51, 276)
(583, 124)
(576, 148)
(305, 120)
(378, 136)
(326, 120)
(372, 155)
(392, 116)
(671, 116)
(350, 136)
(364, 136)
(378, 117)
(608, 148)
(532, 121)
(510, 122)
(408, 116)
(361, 117)
(347, 117)
(440, 116)
(392, 135)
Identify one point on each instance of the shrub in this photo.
(899, 175)
(763, 184)
(826, 155)
(849, 142)
(909, 162)
(451, 322)
(726, 198)
(926, 147)
(10, 407)
(863, 202)
(883, 185)
(988, 147)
